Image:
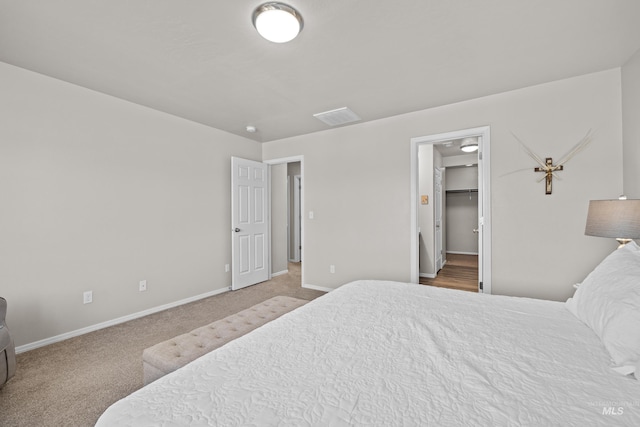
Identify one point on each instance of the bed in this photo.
(388, 353)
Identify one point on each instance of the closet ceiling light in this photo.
(469, 145)
(277, 22)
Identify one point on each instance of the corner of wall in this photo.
(630, 75)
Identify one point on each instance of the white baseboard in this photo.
(92, 328)
(428, 275)
(462, 253)
(279, 273)
(318, 288)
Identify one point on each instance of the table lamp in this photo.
(619, 219)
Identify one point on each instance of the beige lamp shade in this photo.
(619, 219)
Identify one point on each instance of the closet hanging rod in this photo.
(469, 190)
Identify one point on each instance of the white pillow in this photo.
(608, 301)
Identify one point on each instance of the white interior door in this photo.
(249, 223)
(438, 217)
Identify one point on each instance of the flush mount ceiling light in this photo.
(277, 22)
(469, 145)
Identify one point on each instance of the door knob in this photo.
(475, 230)
(237, 230)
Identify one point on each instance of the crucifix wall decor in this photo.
(549, 169)
(547, 165)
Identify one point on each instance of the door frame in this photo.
(285, 160)
(484, 199)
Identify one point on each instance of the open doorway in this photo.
(450, 208)
(294, 185)
(458, 220)
(287, 234)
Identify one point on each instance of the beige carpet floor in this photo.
(72, 382)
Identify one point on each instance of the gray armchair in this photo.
(7, 348)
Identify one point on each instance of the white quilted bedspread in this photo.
(393, 354)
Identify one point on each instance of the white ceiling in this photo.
(203, 60)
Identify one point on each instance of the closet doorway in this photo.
(450, 210)
(460, 228)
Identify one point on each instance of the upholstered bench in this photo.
(7, 348)
(172, 354)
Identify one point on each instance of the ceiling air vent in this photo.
(338, 116)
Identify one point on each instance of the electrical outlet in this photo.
(87, 297)
(226, 268)
(332, 269)
(142, 285)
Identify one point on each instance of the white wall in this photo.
(462, 219)
(462, 178)
(358, 185)
(279, 249)
(99, 193)
(631, 126)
